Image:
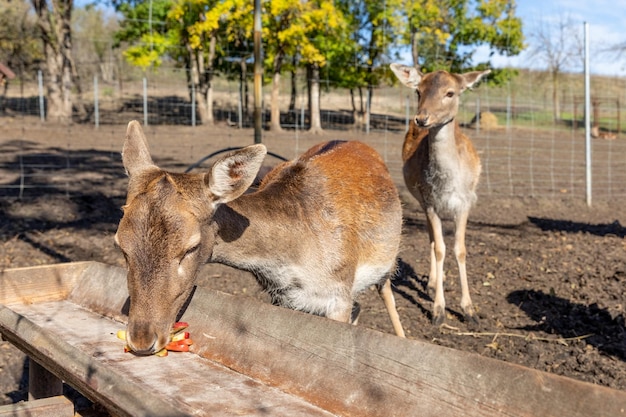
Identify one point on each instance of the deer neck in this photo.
(251, 230)
(440, 139)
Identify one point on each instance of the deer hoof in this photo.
(439, 316)
(470, 316)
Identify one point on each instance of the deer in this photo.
(318, 231)
(441, 169)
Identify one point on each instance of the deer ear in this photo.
(135, 154)
(231, 176)
(470, 79)
(409, 76)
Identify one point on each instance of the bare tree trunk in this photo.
(275, 106)
(275, 103)
(555, 96)
(294, 86)
(414, 50)
(54, 23)
(359, 120)
(243, 91)
(353, 110)
(208, 78)
(195, 66)
(314, 99)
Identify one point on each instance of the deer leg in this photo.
(461, 254)
(432, 276)
(343, 308)
(356, 311)
(385, 292)
(438, 252)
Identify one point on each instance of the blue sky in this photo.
(607, 27)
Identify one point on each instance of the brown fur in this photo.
(318, 231)
(441, 169)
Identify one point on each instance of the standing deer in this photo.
(441, 170)
(319, 230)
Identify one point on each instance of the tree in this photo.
(324, 31)
(20, 45)
(374, 31)
(295, 28)
(187, 31)
(558, 45)
(94, 31)
(443, 34)
(54, 22)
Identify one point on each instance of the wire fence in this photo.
(531, 142)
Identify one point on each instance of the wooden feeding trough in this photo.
(253, 359)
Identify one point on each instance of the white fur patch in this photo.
(369, 274)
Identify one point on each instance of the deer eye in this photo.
(450, 94)
(190, 252)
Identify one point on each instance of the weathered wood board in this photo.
(251, 359)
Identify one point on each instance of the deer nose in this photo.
(421, 119)
(142, 339)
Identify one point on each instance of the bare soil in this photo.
(547, 277)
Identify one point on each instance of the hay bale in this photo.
(488, 120)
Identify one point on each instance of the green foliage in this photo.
(445, 33)
(20, 39)
(351, 41)
(306, 30)
(144, 26)
(92, 32)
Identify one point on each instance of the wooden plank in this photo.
(352, 371)
(46, 407)
(81, 347)
(39, 283)
(42, 383)
(347, 370)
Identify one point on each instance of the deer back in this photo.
(330, 214)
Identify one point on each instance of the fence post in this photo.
(96, 110)
(587, 116)
(408, 109)
(145, 101)
(42, 108)
(193, 103)
(240, 110)
(508, 112)
(367, 113)
(477, 114)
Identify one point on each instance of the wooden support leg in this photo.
(42, 383)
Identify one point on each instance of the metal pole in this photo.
(42, 107)
(477, 114)
(408, 114)
(258, 73)
(145, 101)
(367, 113)
(96, 111)
(508, 112)
(193, 103)
(587, 117)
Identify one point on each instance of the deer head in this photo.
(438, 92)
(166, 232)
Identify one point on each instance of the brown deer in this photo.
(319, 230)
(441, 169)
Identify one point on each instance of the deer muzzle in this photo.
(422, 119)
(143, 338)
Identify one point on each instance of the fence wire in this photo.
(529, 146)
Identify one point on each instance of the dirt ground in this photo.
(547, 277)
